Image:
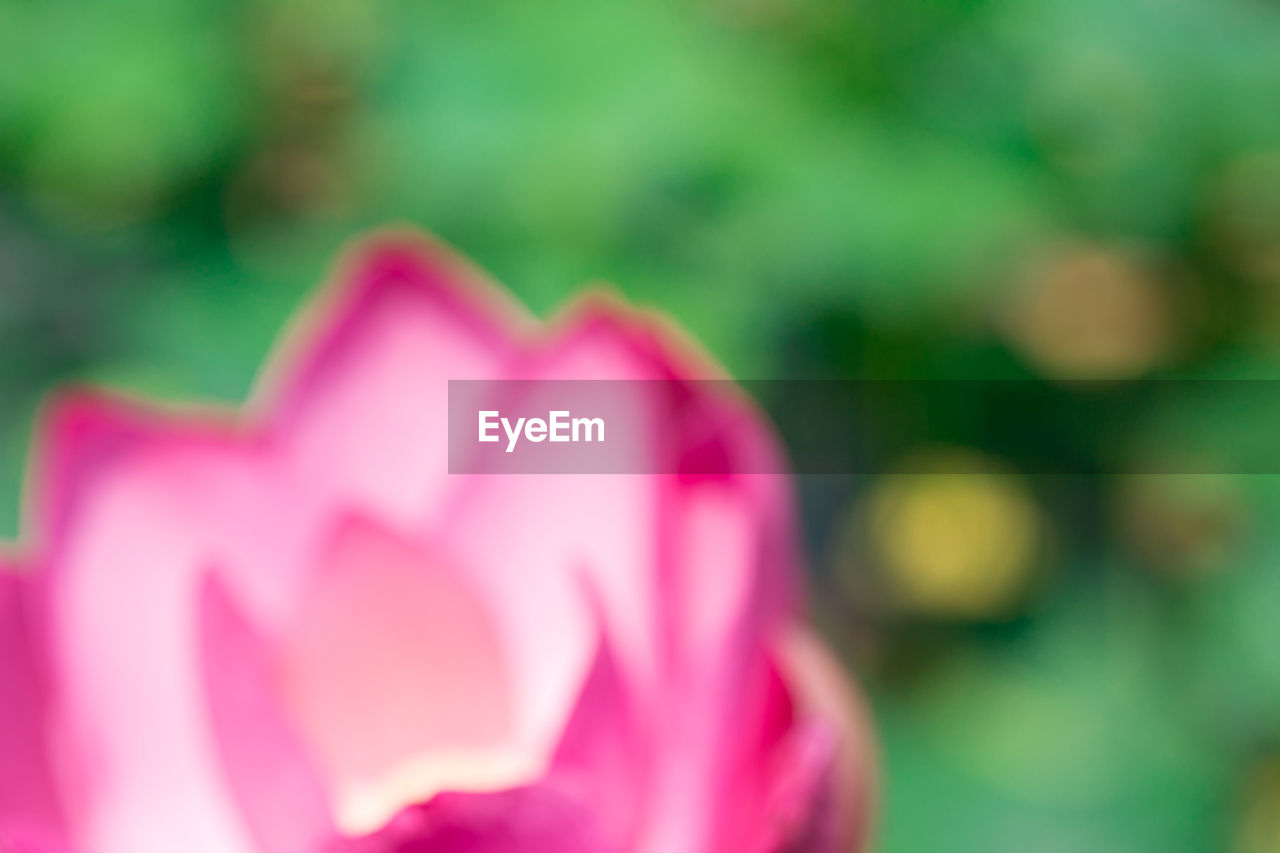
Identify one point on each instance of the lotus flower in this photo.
(289, 629)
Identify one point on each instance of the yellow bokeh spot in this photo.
(953, 539)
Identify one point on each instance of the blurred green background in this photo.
(1056, 189)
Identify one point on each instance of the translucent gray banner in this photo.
(862, 426)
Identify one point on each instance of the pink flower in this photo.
(288, 629)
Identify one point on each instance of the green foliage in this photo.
(811, 187)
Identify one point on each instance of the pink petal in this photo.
(554, 816)
(589, 801)
(84, 435)
(360, 392)
(276, 787)
(395, 676)
(613, 527)
(721, 710)
(601, 745)
(137, 529)
(832, 718)
(29, 807)
(693, 572)
(801, 767)
(27, 842)
(801, 810)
